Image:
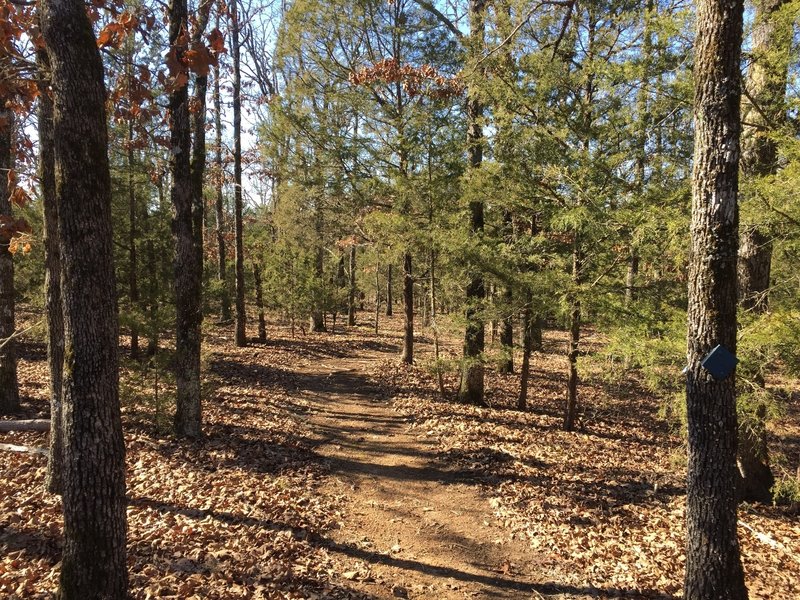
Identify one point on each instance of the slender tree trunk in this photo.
(9, 390)
(262, 322)
(241, 316)
(219, 205)
(377, 290)
(351, 300)
(188, 410)
(471, 389)
(52, 280)
(389, 299)
(527, 322)
(434, 325)
(571, 410)
(507, 332)
(713, 565)
(94, 559)
(408, 301)
(317, 316)
(154, 284)
(133, 282)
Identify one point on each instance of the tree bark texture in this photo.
(94, 558)
(471, 388)
(188, 411)
(52, 279)
(238, 207)
(9, 390)
(408, 305)
(713, 565)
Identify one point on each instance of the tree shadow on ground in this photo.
(491, 582)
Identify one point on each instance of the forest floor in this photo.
(329, 470)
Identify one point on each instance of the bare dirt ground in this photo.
(415, 526)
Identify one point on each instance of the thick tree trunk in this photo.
(52, 278)
(94, 558)
(713, 565)
(219, 205)
(9, 390)
(241, 315)
(262, 322)
(351, 298)
(389, 299)
(408, 305)
(471, 388)
(188, 410)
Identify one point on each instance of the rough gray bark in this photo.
(188, 410)
(471, 388)
(241, 314)
(52, 280)
(133, 280)
(713, 565)
(94, 558)
(9, 390)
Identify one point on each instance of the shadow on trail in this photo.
(497, 583)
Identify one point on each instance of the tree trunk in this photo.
(713, 565)
(527, 338)
(133, 282)
(219, 205)
(94, 558)
(9, 390)
(262, 322)
(389, 299)
(188, 411)
(471, 389)
(351, 300)
(507, 333)
(571, 409)
(52, 279)
(377, 290)
(434, 325)
(241, 315)
(408, 302)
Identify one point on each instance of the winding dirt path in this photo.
(412, 527)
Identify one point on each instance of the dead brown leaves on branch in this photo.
(416, 81)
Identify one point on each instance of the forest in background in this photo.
(501, 168)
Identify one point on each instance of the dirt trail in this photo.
(412, 527)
